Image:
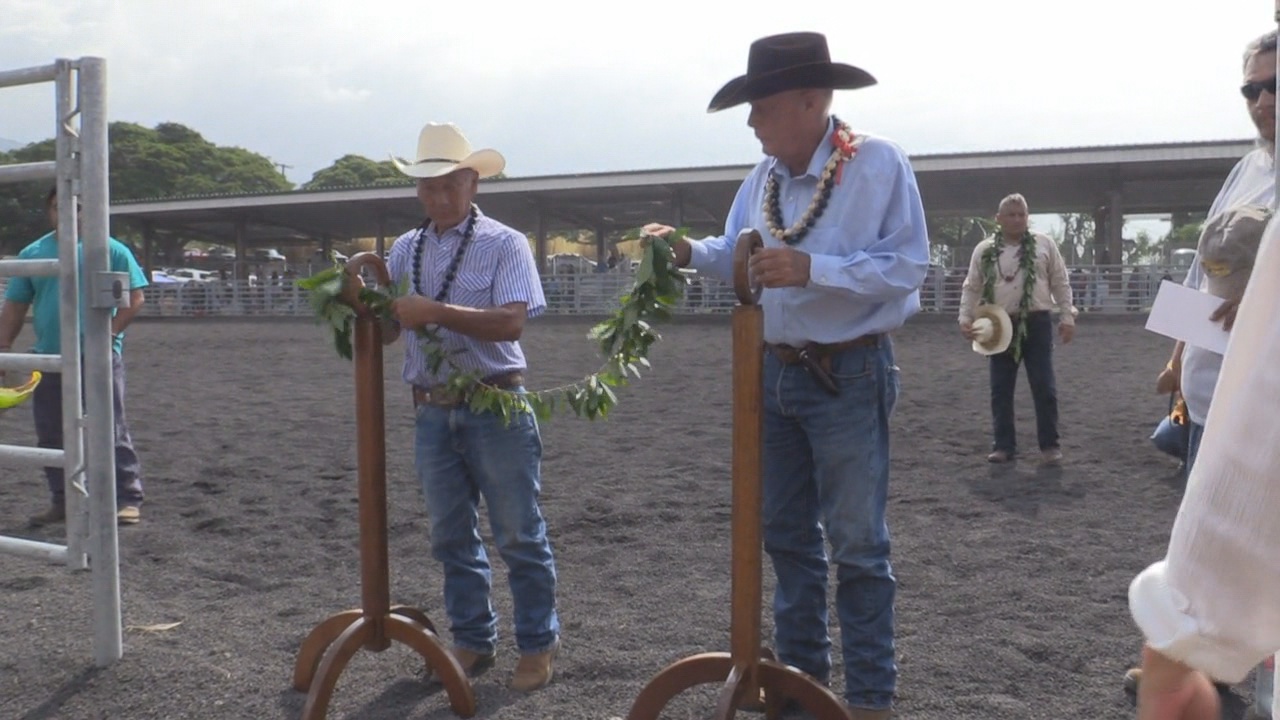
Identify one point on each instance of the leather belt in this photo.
(816, 357)
(444, 398)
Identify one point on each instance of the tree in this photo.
(355, 171)
(168, 160)
(1142, 250)
(952, 239)
(359, 171)
(1075, 239)
(1184, 232)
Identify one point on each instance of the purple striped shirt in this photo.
(497, 268)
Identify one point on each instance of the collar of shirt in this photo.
(453, 234)
(817, 162)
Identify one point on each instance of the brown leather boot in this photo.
(534, 670)
(473, 664)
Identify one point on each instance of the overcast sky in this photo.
(566, 87)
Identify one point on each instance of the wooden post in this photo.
(331, 644)
(749, 675)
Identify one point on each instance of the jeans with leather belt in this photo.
(462, 456)
(826, 468)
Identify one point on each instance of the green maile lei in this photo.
(1026, 254)
(624, 338)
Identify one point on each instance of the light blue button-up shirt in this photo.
(497, 268)
(869, 249)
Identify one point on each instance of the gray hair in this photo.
(1013, 199)
(1265, 43)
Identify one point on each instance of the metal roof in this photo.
(1151, 178)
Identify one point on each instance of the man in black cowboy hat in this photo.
(845, 254)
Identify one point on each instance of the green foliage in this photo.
(355, 171)
(165, 161)
(1184, 231)
(359, 171)
(1027, 266)
(951, 238)
(624, 338)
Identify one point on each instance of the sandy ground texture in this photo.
(1012, 580)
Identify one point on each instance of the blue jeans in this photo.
(46, 410)
(826, 466)
(462, 456)
(1037, 355)
(1195, 432)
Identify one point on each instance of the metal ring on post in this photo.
(749, 241)
(358, 262)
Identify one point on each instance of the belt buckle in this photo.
(432, 398)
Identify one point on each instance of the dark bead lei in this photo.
(846, 146)
(452, 271)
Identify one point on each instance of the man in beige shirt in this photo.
(999, 272)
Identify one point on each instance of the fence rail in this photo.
(1102, 289)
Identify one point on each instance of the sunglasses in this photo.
(1253, 90)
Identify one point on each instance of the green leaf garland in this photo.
(1027, 266)
(624, 338)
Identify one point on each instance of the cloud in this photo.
(569, 86)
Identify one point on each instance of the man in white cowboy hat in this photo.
(845, 254)
(476, 281)
(1024, 273)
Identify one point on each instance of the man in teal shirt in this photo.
(41, 296)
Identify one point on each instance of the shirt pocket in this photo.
(472, 289)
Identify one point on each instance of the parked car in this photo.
(192, 274)
(266, 255)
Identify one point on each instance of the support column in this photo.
(677, 207)
(600, 257)
(1097, 245)
(540, 242)
(1115, 227)
(148, 247)
(1117, 293)
(241, 264)
(381, 243)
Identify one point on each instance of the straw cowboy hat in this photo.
(994, 328)
(442, 149)
(790, 61)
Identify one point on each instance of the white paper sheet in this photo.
(1183, 314)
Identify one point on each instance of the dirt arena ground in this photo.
(1012, 580)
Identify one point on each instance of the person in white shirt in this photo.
(1194, 371)
(1024, 273)
(1210, 610)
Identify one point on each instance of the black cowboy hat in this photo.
(789, 62)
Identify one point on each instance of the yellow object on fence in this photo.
(11, 397)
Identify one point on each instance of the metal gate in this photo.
(88, 454)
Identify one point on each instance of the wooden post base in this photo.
(776, 681)
(332, 644)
